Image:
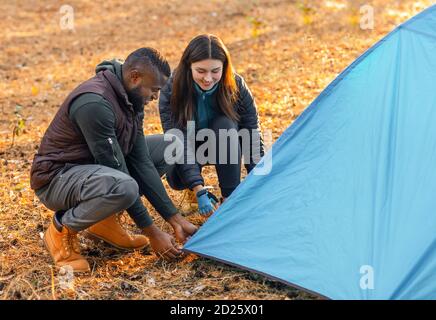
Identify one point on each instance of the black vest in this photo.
(63, 143)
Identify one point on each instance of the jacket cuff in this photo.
(168, 214)
(139, 214)
(196, 183)
(142, 221)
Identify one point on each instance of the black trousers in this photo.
(229, 174)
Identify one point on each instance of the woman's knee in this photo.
(174, 179)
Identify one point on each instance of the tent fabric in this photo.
(348, 210)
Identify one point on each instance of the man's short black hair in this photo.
(144, 57)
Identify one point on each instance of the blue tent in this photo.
(348, 210)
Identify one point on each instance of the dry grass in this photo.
(288, 51)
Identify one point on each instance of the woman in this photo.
(205, 89)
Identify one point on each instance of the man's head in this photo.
(145, 72)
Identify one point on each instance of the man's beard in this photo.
(136, 99)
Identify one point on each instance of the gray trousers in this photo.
(90, 193)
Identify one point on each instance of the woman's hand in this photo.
(206, 204)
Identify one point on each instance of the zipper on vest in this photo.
(113, 151)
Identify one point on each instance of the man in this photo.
(94, 162)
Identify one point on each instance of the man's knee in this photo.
(173, 149)
(129, 190)
(170, 138)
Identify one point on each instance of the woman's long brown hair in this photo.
(202, 47)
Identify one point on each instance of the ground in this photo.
(287, 51)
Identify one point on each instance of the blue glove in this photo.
(206, 202)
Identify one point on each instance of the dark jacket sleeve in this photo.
(189, 173)
(96, 121)
(145, 173)
(249, 119)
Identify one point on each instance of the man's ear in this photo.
(135, 76)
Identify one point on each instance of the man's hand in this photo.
(162, 243)
(183, 229)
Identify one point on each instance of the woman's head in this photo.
(207, 73)
(206, 62)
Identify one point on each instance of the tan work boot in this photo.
(111, 231)
(64, 248)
